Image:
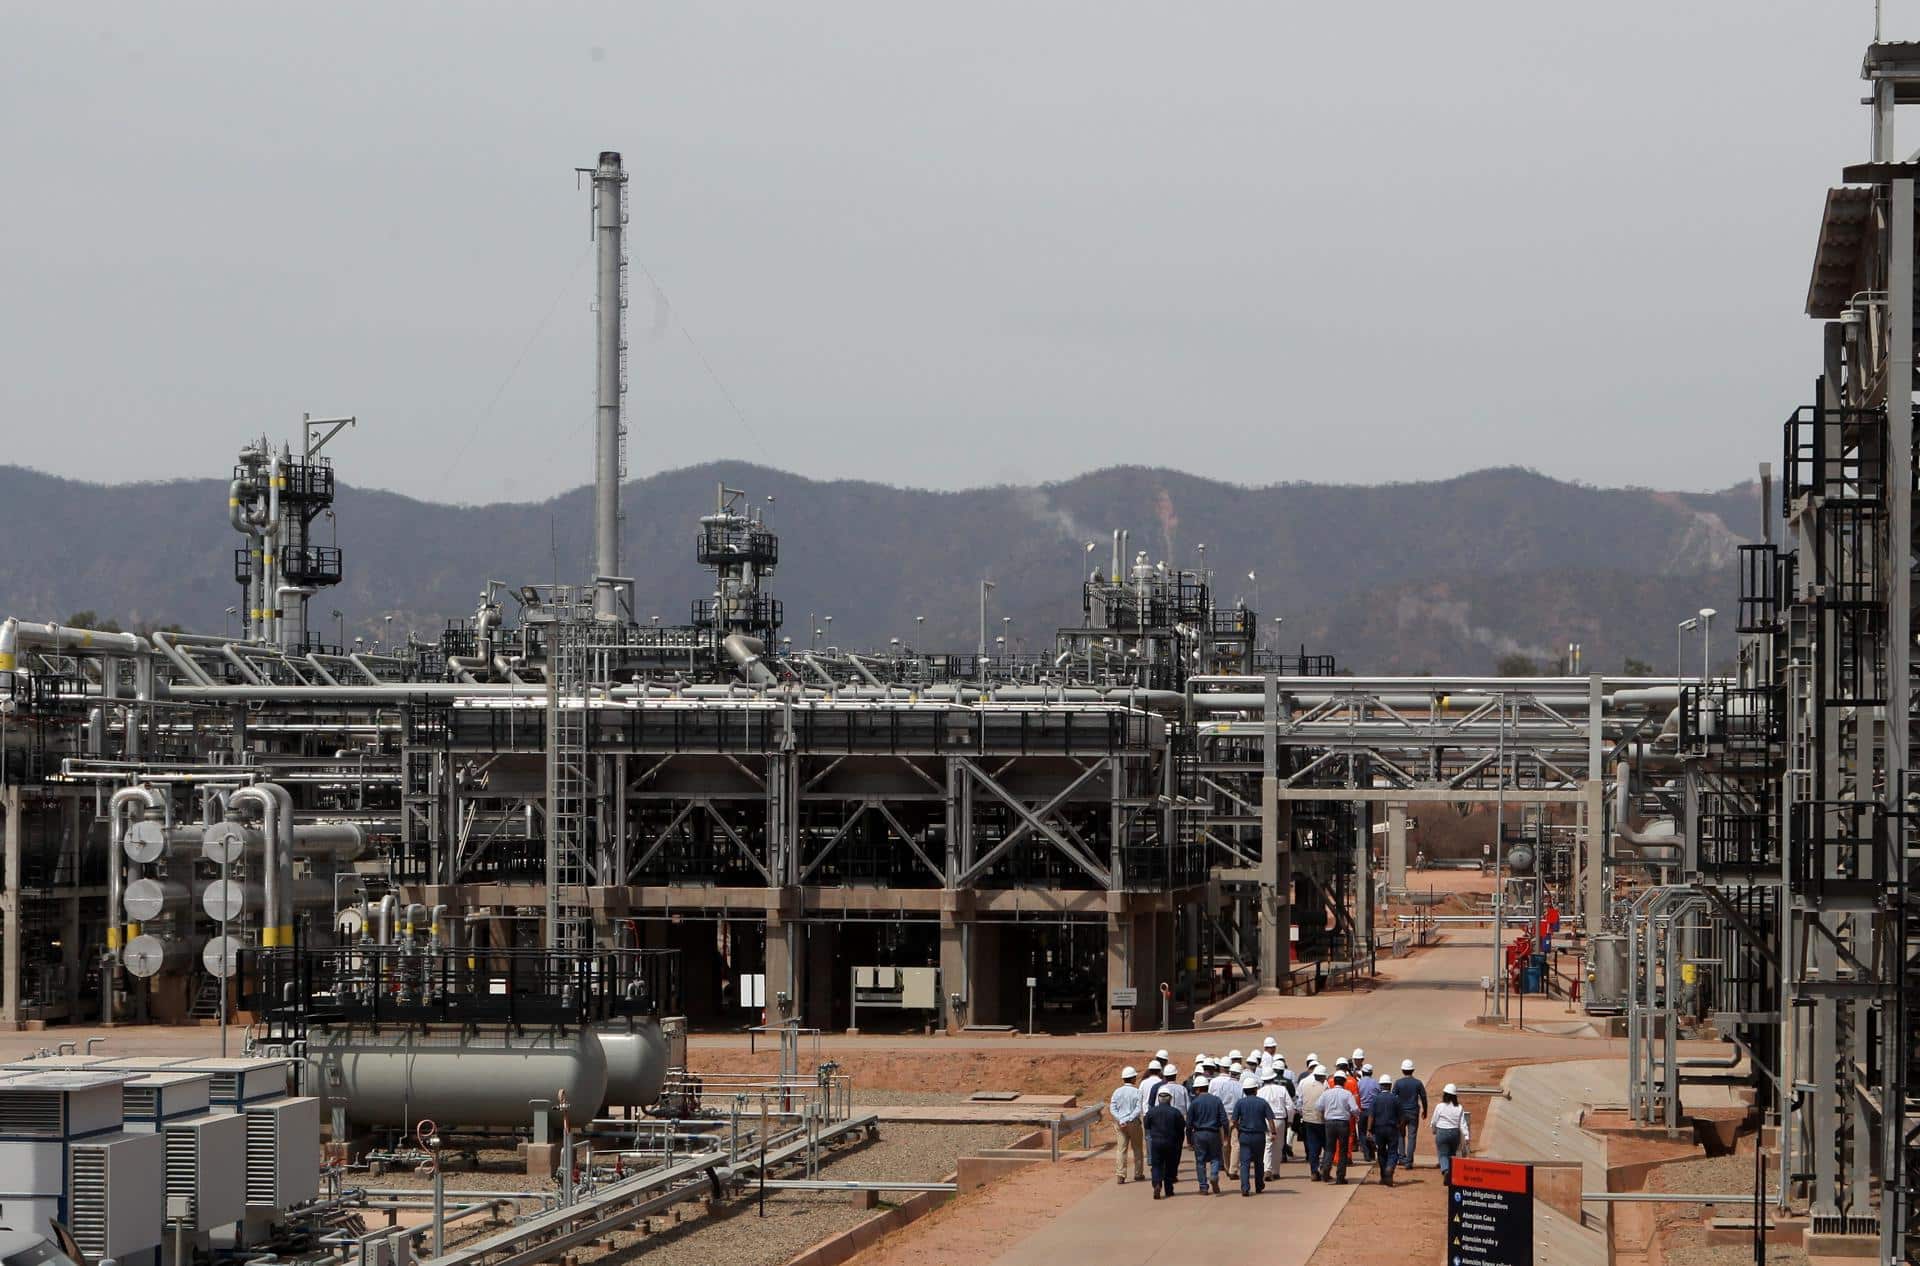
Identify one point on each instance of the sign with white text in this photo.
(1490, 1214)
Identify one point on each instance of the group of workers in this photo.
(1252, 1109)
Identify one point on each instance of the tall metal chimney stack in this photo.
(609, 441)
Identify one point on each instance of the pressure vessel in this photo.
(457, 1077)
(636, 1053)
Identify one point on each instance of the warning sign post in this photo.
(1490, 1214)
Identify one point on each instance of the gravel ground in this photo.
(1688, 1244)
(900, 1098)
(738, 1237)
(1685, 1226)
(1714, 1175)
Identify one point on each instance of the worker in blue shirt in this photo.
(1254, 1121)
(1412, 1094)
(1385, 1122)
(1366, 1092)
(1165, 1129)
(1206, 1119)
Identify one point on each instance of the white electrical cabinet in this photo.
(283, 1152)
(116, 1195)
(153, 1099)
(206, 1158)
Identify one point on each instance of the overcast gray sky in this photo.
(928, 244)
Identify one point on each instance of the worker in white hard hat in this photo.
(1412, 1094)
(1367, 1091)
(1254, 1123)
(1340, 1113)
(1450, 1130)
(1179, 1088)
(1127, 1109)
(1162, 1056)
(1206, 1122)
(1156, 1076)
(1358, 1057)
(1226, 1088)
(1313, 1125)
(1165, 1130)
(1275, 1092)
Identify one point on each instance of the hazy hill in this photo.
(1441, 576)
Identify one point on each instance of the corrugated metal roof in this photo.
(1844, 225)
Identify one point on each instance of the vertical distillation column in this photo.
(609, 444)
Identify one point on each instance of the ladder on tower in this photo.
(569, 794)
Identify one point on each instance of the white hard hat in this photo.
(1359, 1054)
(1269, 1043)
(1272, 1074)
(1448, 1089)
(1129, 1073)
(1162, 1056)
(1233, 1054)
(1343, 1062)
(1153, 1064)
(1249, 1082)
(1366, 1069)
(1170, 1072)
(1280, 1060)
(1406, 1065)
(1165, 1093)
(1312, 1058)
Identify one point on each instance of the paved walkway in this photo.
(1125, 1226)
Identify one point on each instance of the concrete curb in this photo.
(1243, 994)
(838, 1248)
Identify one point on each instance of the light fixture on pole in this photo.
(1684, 627)
(1706, 641)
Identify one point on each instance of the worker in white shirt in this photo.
(1126, 1109)
(1156, 1074)
(1178, 1087)
(1274, 1091)
(1450, 1130)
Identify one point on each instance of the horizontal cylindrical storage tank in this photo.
(457, 1078)
(221, 956)
(230, 842)
(228, 900)
(149, 841)
(636, 1063)
(227, 842)
(148, 899)
(146, 955)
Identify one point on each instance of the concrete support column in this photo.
(10, 911)
(1140, 954)
(953, 974)
(782, 955)
(1396, 848)
(1120, 969)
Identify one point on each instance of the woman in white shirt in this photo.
(1450, 1133)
